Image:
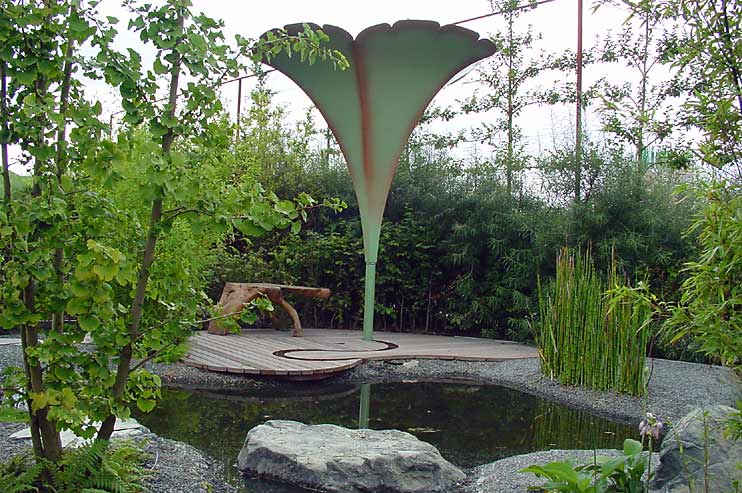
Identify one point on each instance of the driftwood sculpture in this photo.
(236, 295)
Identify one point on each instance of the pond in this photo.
(469, 424)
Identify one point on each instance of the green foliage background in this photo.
(458, 253)
(17, 182)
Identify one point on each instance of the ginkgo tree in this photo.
(112, 232)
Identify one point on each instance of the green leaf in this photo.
(88, 323)
(77, 305)
(78, 25)
(25, 78)
(608, 467)
(67, 183)
(287, 208)
(263, 304)
(80, 290)
(41, 400)
(146, 405)
(561, 470)
(68, 398)
(583, 483)
(30, 100)
(534, 469)
(64, 373)
(632, 447)
(249, 317)
(105, 272)
(159, 67)
(248, 228)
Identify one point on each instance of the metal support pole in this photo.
(364, 409)
(368, 306)
(578, 118)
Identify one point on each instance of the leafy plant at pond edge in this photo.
(624, 474)
(734, 428)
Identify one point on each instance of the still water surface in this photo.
(469, 424)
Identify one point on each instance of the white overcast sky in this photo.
(555, 21)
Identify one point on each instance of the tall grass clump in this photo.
(593, 333)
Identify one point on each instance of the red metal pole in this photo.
(578, 119)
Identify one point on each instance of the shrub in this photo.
(96, 467)
(710, 308)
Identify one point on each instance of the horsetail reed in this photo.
(592, 334)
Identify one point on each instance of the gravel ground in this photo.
(9, 448)
(179, 468)
(675, 388)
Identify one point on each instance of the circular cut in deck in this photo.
(323, 352)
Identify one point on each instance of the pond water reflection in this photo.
(469, 424)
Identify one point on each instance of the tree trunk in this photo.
(135, 315)
(7, 194)
(51, 443)
(38, 447)
(58, 317)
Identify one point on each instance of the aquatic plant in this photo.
(590, 333)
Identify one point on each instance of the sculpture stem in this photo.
(368, 307)
(365, 406)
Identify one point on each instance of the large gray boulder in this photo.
(683, 464)
(336, 459)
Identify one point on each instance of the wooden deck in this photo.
(321, 352)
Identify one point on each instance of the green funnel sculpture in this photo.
(372, 107)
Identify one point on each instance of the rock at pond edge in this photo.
(337, 459)
(701, 430)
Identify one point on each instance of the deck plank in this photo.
(261, 354)
(322, 352)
